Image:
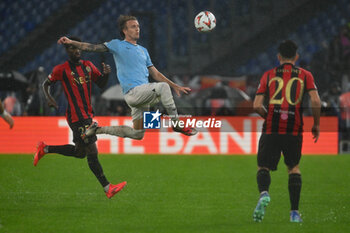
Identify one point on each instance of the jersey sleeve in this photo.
(148, 59)
(310, 82)
(95, 73)
(262, 88)
(112, 45)
(56, 74)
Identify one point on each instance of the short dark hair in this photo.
(72, 38)
(122, 23)
(288, 49)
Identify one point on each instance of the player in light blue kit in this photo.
(134, 65)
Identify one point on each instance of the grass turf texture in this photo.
(168, 194)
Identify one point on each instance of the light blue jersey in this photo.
(132, 62)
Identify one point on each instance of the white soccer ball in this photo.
(205, 21)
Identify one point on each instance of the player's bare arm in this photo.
(316, 112)
(259, 107)
(50, 100)
(84, 46)
(158, 76)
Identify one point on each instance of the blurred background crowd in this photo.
(223, 67)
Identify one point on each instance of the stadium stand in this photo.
(101, 24)
(311, 37)
(182, 40)
(20, 17)
(176, 41)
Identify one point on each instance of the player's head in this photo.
(73, 52)
(129, 27)
(287, 50)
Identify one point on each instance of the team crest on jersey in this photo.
(284, 116)
(88, 69)
(72, 73)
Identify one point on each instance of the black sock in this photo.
(294, 187)
(263, 178)
(96, 168)
(67, 150)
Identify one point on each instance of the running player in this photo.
(283, 88)
(76, 76)
(133, 65)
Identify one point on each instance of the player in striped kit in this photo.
(283, 89)
(76, 77)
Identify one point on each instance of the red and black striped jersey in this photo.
(284, 87)
(76, 81)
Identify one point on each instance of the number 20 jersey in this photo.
(284, 87)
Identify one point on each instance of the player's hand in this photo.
(64, 40)
(315, 132)
(180, 89)
(106, 69)
(52, 103)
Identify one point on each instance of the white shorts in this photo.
(140, 99)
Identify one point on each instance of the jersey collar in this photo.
(76, 63)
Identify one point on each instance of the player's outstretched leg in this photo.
(114, 189)
(39, 152)
(123, 131)
(90, 131)
(295, 216)
(259, 211)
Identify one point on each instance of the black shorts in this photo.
(271, 146)
(78, 129)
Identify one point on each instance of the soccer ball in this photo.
(205, 21)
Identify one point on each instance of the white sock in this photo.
(122, 131)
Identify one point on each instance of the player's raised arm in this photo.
(84, 45)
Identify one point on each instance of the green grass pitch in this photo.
(168, 194)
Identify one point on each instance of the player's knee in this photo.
(164, 85)
(80, 152)
(163, 88)
(294, 170)
(263, 172)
